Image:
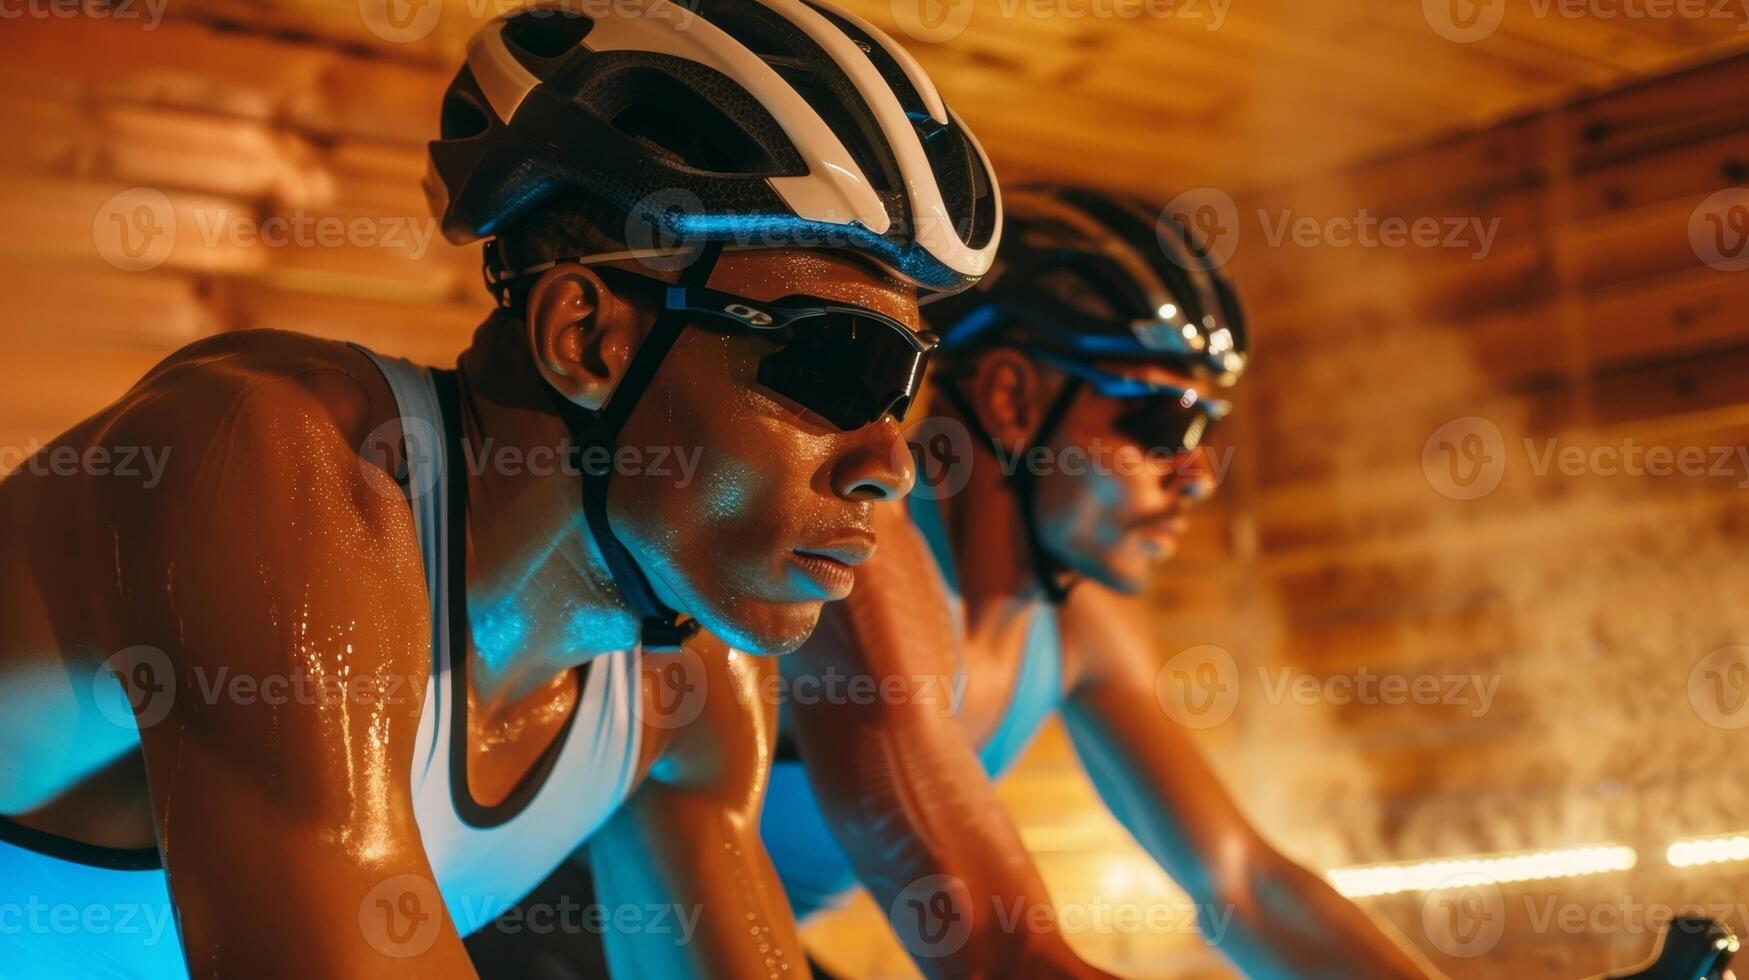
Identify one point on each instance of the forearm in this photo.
(702, 871)
(1279, 919)
(929, 839)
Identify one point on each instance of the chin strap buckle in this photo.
(666, 636)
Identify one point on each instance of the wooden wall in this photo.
(1590, 320)
(1344, 544)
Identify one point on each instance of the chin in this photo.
(1125, 574)
(764, 629)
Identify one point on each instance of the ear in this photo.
(582, 333)
(1007, 392)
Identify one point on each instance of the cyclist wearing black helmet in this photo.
(359, 671)
(1075, 387)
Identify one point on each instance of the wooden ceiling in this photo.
(1160, 95)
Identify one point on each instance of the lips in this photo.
(830, 569)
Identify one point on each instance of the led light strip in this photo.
(1707, 850)
(1422, 876)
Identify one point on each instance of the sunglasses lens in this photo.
(1165, 422)
(849, 368)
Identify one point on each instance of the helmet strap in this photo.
(1054, 575)
(596, 433)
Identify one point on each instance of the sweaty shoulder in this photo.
(267, 503)
(263, 374)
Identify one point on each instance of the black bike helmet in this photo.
(1090, 276)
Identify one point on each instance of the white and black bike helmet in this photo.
(747, 122)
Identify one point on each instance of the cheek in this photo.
(741, 474)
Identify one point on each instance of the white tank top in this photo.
(487, 859)
(484, 860)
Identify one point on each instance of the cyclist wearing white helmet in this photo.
(358, 672)
(1075, 388)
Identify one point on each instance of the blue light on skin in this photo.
(500, 631)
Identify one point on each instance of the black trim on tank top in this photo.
(471, 811)
(78, 852)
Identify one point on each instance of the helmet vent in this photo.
(682, 124)
(546, 33)
(462, 117)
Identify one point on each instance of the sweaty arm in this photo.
(681, 873)
(1266, 913)
(900, 784)
(282, 582)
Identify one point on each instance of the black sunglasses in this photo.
(1157, 416)
(848, 364)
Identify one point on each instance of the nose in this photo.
(876, 464)
(1192, 476)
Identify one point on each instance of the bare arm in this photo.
(1268, 914)
(897, 778)
(682, 861)
(283, 582)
